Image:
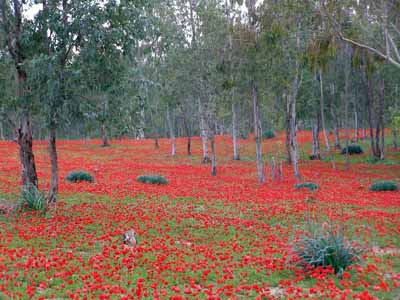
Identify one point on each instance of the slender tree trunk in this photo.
(288, 130)
(381, 121)
(188, 134)
(104, 136)
(257, 133)
(316, 149)
(336, 129)
(156, 144)
(322, 105)
(2, 131)
(294, 151)
(52, 197)
(370, 100)
(171, 133)
(356, 129)
(203, 134)
(213, 154)
(236, 155)
(25, 140)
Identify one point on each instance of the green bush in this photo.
(152, 179)
(269, 134)
(32, 200)
(77, 176)
(352, 149)
(321, 248)
(382, 186)
(309, 185)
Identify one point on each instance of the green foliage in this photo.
(308, 185)
(32, 200)
(382, 186)
(352, 149)
(323, 248)
(152, 179)
(269, 134)
(77, 176)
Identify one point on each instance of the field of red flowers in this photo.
(200, 237)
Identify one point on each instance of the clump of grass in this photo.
(77, 176)
(306, 185)
(152, 179)
(269, 134)
(383, 186)
(322, 248)
(32, 199)
(352, 149)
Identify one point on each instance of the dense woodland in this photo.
(183, 68)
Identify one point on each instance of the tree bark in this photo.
(316, 150)
(336, 128)
(171, 133)
(356, 129)
(203, 134)
(29, 175)
(322, 105)
(52, 197)
(236, 155)
(188, 134)
(257, 133)
(213, 154)
(288, 130)
(104, 136)
(381, 121)
(2, 137)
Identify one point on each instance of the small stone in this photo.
(129, 238)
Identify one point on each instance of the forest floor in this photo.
(200, 237)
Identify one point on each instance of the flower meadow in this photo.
(199, 236)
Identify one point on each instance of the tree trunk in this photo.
(156, 144)
(52, 197)
(2, 137)
(381, 121)
(316, 150)
(171, 133)
(257, 133)
(29, 175)
(236, 155)
(394, 135)
(203, 134)
(188, 134)
(356, 129)
(288, 129)
(104, 136)
(374, 137)
(336, 129)
(327, 145)
(293, 136)
(213, 154)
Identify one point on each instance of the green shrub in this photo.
(32, 200)
(77, 176)
(152, 179)
(382, 186)
(321, 248)
(306, 185)
(352, 149)
(269, 134)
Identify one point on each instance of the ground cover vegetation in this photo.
(250, 146)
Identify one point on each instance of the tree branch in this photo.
(373, 50)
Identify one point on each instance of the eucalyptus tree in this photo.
(16, 30)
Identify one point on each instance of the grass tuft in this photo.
(306, 185)
(152, 179)
(383, 186)
(77, 176)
